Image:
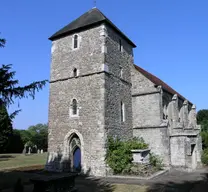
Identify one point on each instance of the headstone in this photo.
(29, 151)
(38, 150)
(41, 151)
(24, 151)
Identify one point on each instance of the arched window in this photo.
(122, 112)
(75, 72)
(120, 45)
(74, 107)
(75, 41)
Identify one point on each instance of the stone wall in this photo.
(158, 140)
(88, 89)
(99, 89)
(177, 144)
(117, 85)
(146, 110)
(88, 58)
(146, 101)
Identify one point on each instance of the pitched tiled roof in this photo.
(89, 19)
(158, 81)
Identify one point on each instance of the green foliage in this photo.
(204, 157)
(2, 42)
(204, 135)
(202, 119)
(16, 144)
(156, 161)
(39, 135)
(5, 128)
(137, 143)
(119, 155)
(204, 125)
(202, 115)
(35, 135)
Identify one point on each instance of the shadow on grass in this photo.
(6, 157)
(83, 182)
(181, 186)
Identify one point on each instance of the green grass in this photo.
(129, 188)
(9, 161)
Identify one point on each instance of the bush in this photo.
(119, 155)
(204, 157)
(156, 161)
(204, 135)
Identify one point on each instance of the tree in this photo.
(202, 115)
(16, 144)
(39, 135)
(9, 91)
(202, 119)
(5, 128)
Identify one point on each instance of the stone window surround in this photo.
(123, 112)
(78, 41)
(73, 72)
(120, 45)
(71, 109)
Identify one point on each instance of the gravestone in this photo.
(29, 150)
(41, 151)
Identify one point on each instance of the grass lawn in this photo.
(129, 188)
(8, 161)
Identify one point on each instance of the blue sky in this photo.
(171, 38)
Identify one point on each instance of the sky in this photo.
(171, 38)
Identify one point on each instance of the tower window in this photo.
(75, 41)
(122, 112)
(74, 107)
(75, 72)
(120, 45)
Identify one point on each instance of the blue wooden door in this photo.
(77, 159)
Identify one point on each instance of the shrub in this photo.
(204, 156)
(119, 155)
(156, 161)
(204, 135)
(137, 143)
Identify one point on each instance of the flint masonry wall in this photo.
(117, 86)
(147, 115)
(87, 88)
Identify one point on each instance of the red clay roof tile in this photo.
(158, 82)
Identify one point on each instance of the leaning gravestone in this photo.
(25, 149)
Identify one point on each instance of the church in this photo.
(97, 91)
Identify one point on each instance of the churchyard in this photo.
(15, 166)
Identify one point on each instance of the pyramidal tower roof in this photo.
(93, 17)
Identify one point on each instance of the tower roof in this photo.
(88, 20)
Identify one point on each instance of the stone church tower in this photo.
(90, 92)
(97, 91)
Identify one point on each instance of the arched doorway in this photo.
(77, 159)
(75, 153)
